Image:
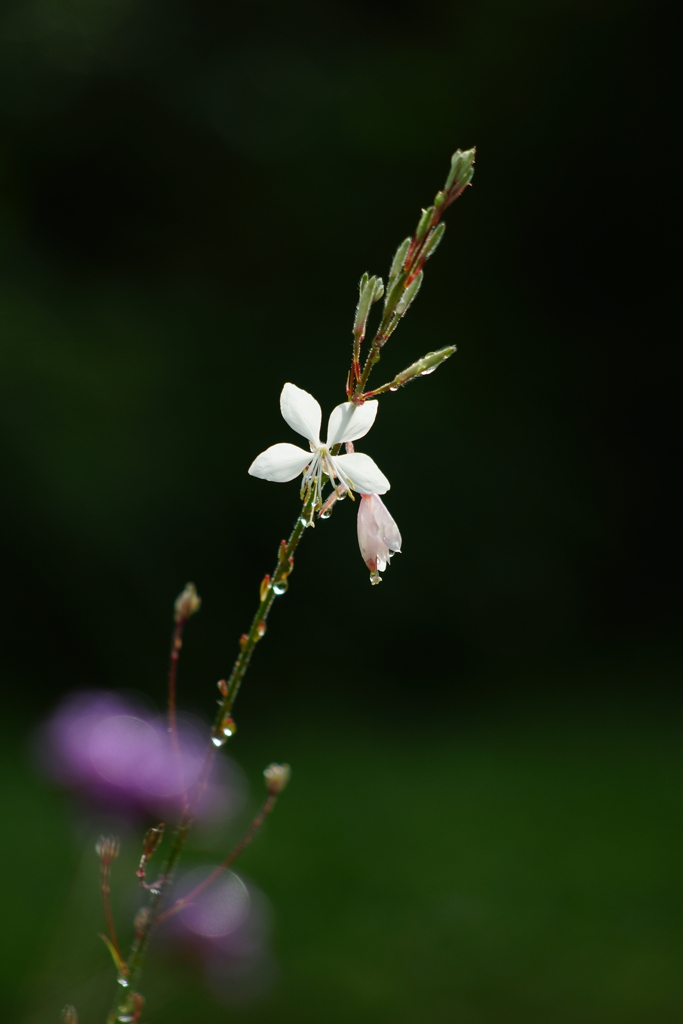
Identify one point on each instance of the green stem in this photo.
(256, 630)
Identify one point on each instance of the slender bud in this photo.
(137, 1003)
(369, 293)
(223, 687)
(462, 169)
(399, 257)
(424, 222)
(426, 365)
(187, 603)
(107, 849)
(141, 920)
(277, 776)
(69, 1015)
(433, 240)
(153, 837)
(409, 294)
(265, 586)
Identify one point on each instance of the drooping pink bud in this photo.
(378, 535)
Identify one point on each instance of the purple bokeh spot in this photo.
(119, 757)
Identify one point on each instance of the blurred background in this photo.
(485, 814)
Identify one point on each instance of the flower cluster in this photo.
(378, 534)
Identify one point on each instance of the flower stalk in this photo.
(378, 535)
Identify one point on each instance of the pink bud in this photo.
(378, 536)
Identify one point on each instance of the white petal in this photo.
(302, 412)
(364, 473)
(348, 422)
(280, 463)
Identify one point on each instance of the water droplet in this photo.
(342, 496)
(280, 587)
(394, 387)
(228, 726)
(123, 982)
(218, 741)
(430, 369)
(326, 513)
(125, 1018)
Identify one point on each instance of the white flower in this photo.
(378, 536)
(348, 422)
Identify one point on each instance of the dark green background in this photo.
(486, 801)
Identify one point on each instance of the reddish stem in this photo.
(256, 824)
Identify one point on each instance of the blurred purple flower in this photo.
(226, 928)
(120, 757)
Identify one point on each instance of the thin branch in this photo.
(251, 832)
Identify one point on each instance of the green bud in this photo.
(462, 169)
(434, 239)
(439, 199)
(409, 294)
(424, 222)
(371, 289)
(363, 282)
(399, 257)
(424, 366)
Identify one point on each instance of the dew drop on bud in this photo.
(218, 741)
(326, 513)
(228, 727)
(280, 587)
(244, 640)
(394, 387)
(425, 373)
(261, 629)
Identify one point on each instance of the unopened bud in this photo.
(223, 687)
(265, 586)
(434, 239)
(141, 920)
(409, 294)
(371, 289)
(462, 169)
(399, 257)
(153, 837)
(424, 222)
(107, 849)
(69, 1015)
(276, 776)
(137, 1003)
(187, 603)
(423, 367)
